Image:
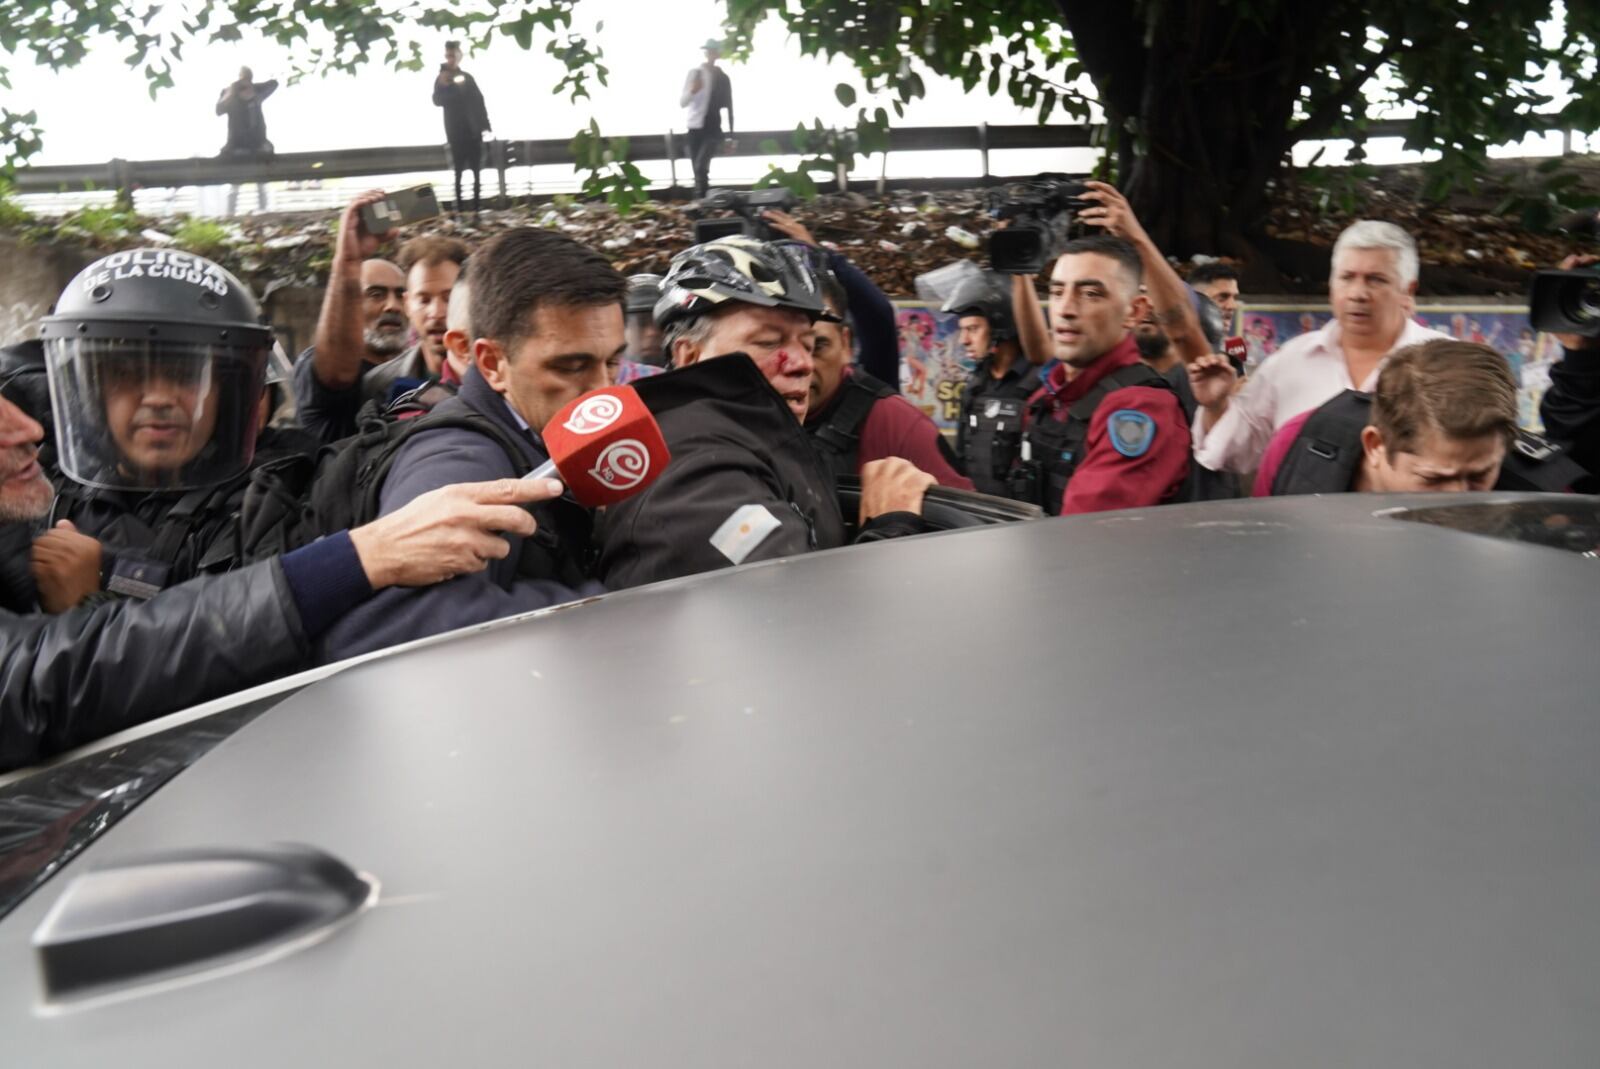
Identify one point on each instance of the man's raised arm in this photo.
(1168, 294)
(340, 346)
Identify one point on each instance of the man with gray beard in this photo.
(383, 302)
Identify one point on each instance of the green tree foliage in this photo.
(1203, 99)
(609, 174)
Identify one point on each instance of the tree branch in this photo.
(1064, 90)
(1321, 121)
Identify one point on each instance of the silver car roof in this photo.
(1257, 784)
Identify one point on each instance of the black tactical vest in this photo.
(991, 430)
(1051, 448)
(157, 539)
(838, 438)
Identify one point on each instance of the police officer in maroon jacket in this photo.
(1105, 431)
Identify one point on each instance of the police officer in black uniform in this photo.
(995, 399)
(158, 364)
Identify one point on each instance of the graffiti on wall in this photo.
(1504, 328)
(934, 368)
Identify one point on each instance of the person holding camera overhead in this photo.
(466, 119)
(241, 103)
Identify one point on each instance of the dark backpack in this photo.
(294, 501)
(1327, 452)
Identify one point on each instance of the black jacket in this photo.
(1571, 410)
(465, 115)
(734, 443)
(191, 533)
(550, 568)
(247, 128)
(66, 680)
(18, 592)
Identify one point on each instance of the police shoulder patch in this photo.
(1132, 432)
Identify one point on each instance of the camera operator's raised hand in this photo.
(1169, 297)
(788, 226)
(1111, 212)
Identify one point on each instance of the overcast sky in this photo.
(101, 110)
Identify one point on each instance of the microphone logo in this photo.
(594, 414)
(622, 465)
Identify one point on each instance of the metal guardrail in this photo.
(501, 155)
(129, 175)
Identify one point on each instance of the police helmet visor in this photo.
(154, 414)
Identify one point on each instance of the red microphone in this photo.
(606, 446)
(1235, 350)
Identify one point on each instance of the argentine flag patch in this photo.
(744, 531)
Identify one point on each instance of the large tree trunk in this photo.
(1201, 102)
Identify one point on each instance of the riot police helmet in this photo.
(988, 296)
(157, 360)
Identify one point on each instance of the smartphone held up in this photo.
(400, 208)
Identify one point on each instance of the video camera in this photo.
(1041, 214)
(747, 206)
(1566, 302)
